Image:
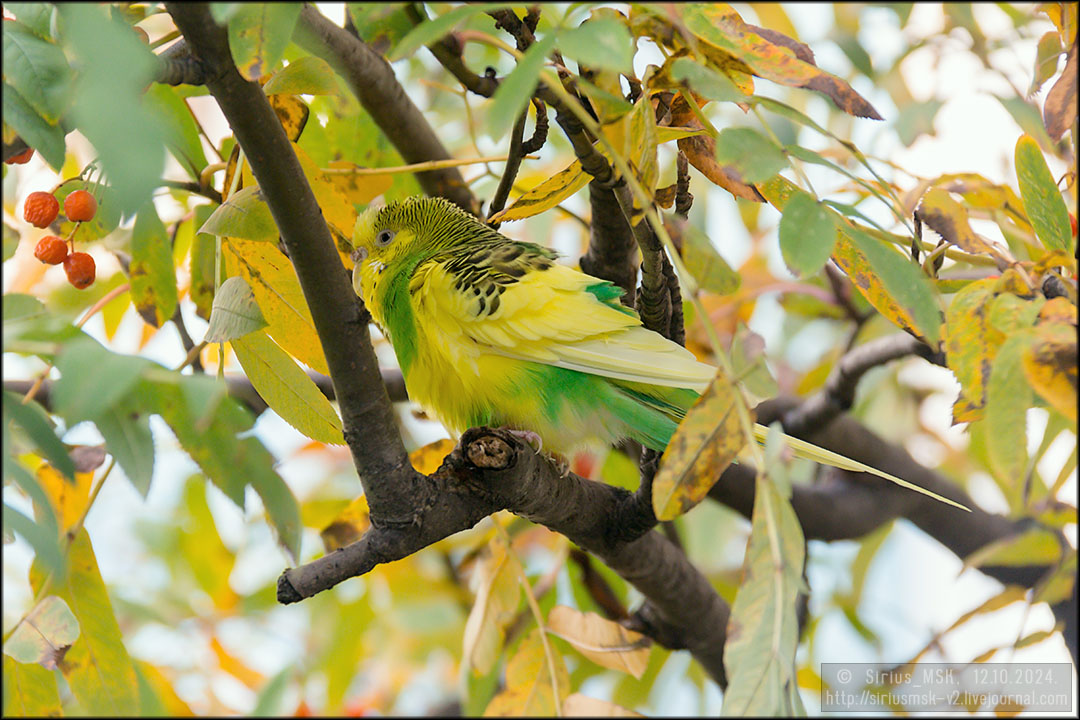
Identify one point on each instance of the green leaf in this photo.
(281, 507)
(203, 259)
(11, 242)
(514, 91)
(44, 634)
(244, 215)
(916, 119)
(1042, 199)
(38, 70)
(601, 44)
(431, 30)
(705, 263)
(705, 81)
(764, 628)
(153, 278)
(308, 75)
(1008, 396)
(105, 220)
(807, 234)
(43, 540)
(97, 668)
(1029, 119)
(287, 389)
(259, 34)
(753, 156)
(33, 419)
(108, 108)
(126, 429)
(35, 130)
(381, 25)
(36, 16)
(93, 379)
(235, 313)
(181, 132)
(30, 691)
(891, 282)
(270, 696)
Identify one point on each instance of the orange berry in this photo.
(80, 206)
(80, 269)
(51, 250)
(22, 158)
(40, 208)
(142, 34)
(1072, 223)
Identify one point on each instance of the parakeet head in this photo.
(407, 232)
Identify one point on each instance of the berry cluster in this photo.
(40, 210)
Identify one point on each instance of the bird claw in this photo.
(534, 439)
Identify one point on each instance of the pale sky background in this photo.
(915, 588)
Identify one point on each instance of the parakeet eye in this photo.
(383, 238)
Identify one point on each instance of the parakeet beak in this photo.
(359, 255)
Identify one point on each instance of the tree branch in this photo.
(491, 470)
(339, 317)
(372, 80)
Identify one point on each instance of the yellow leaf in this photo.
(497, 597)
(292, 112)
(546, 195)
(287, 389)
(349, 525)
(1050, 365)
(949, 218)
(704, 444)
(970, 345)
(69, 500)
(529, 688)
(1034, 547)
(277, 290)
(357, 189)
(29, 690)
(603, 641)
(427, 459)
(97, 668)
(170, 702)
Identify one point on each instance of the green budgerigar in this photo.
(492, 331)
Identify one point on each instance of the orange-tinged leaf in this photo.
(949, 218)
(980, 193)
(349, 525)
(529, 688)
(732, 43)
(603, 641)
(69, 499)
(701, 152)
(497, 595)
(578, 705)
(427, 459)
(29, 690)
(234, 666)
(292, 112)
(277, 290)
(98, 669)
(1050, 365)
(704, 444)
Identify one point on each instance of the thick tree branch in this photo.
(340, 319)
(491, 470)
(372, 80)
